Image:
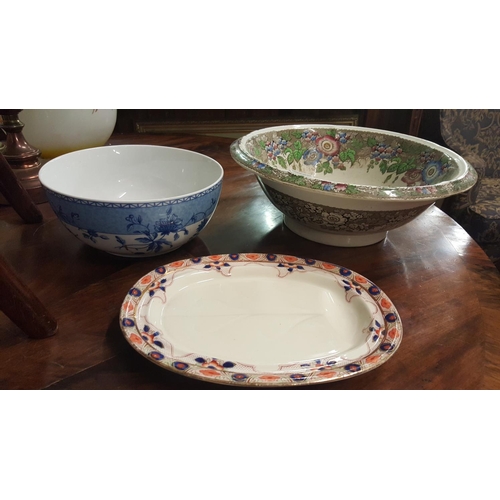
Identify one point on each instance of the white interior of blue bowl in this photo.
(130, 173)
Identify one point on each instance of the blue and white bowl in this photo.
(133, 200)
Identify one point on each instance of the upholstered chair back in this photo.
(474, 134)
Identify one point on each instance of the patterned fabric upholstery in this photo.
(475, 135)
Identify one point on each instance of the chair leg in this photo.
(21, 305)
(16, 195)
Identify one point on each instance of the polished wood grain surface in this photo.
(446, 291)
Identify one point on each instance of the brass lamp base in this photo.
(22, 158)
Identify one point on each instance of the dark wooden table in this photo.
(443, 285)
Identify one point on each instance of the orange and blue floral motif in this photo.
(291, 267)
(157, 285)
(134, 338)
(384, 335)
(328, 267)
(179, 365)
(269, 378)
(253, 256)
(151, 337)
(128, 307)
(393, 333)
(352, 367)
(360, 279)
(211, 373)
(386, 303)
(319, 365)
(391, 318)
(146, 279)
(386, 346)
(158, 356)
(217, 265)
(214, 364)
(352, 285)
(374, 358)
(177, 264)
(377, 331)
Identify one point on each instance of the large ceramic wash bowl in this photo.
(348, 186)
(133, 200)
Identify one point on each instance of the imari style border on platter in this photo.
(386, 337)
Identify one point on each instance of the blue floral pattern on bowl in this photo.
(136, 229)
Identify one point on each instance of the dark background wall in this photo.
(220, 120)
(236, 121)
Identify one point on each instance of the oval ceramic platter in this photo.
(260, 320)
